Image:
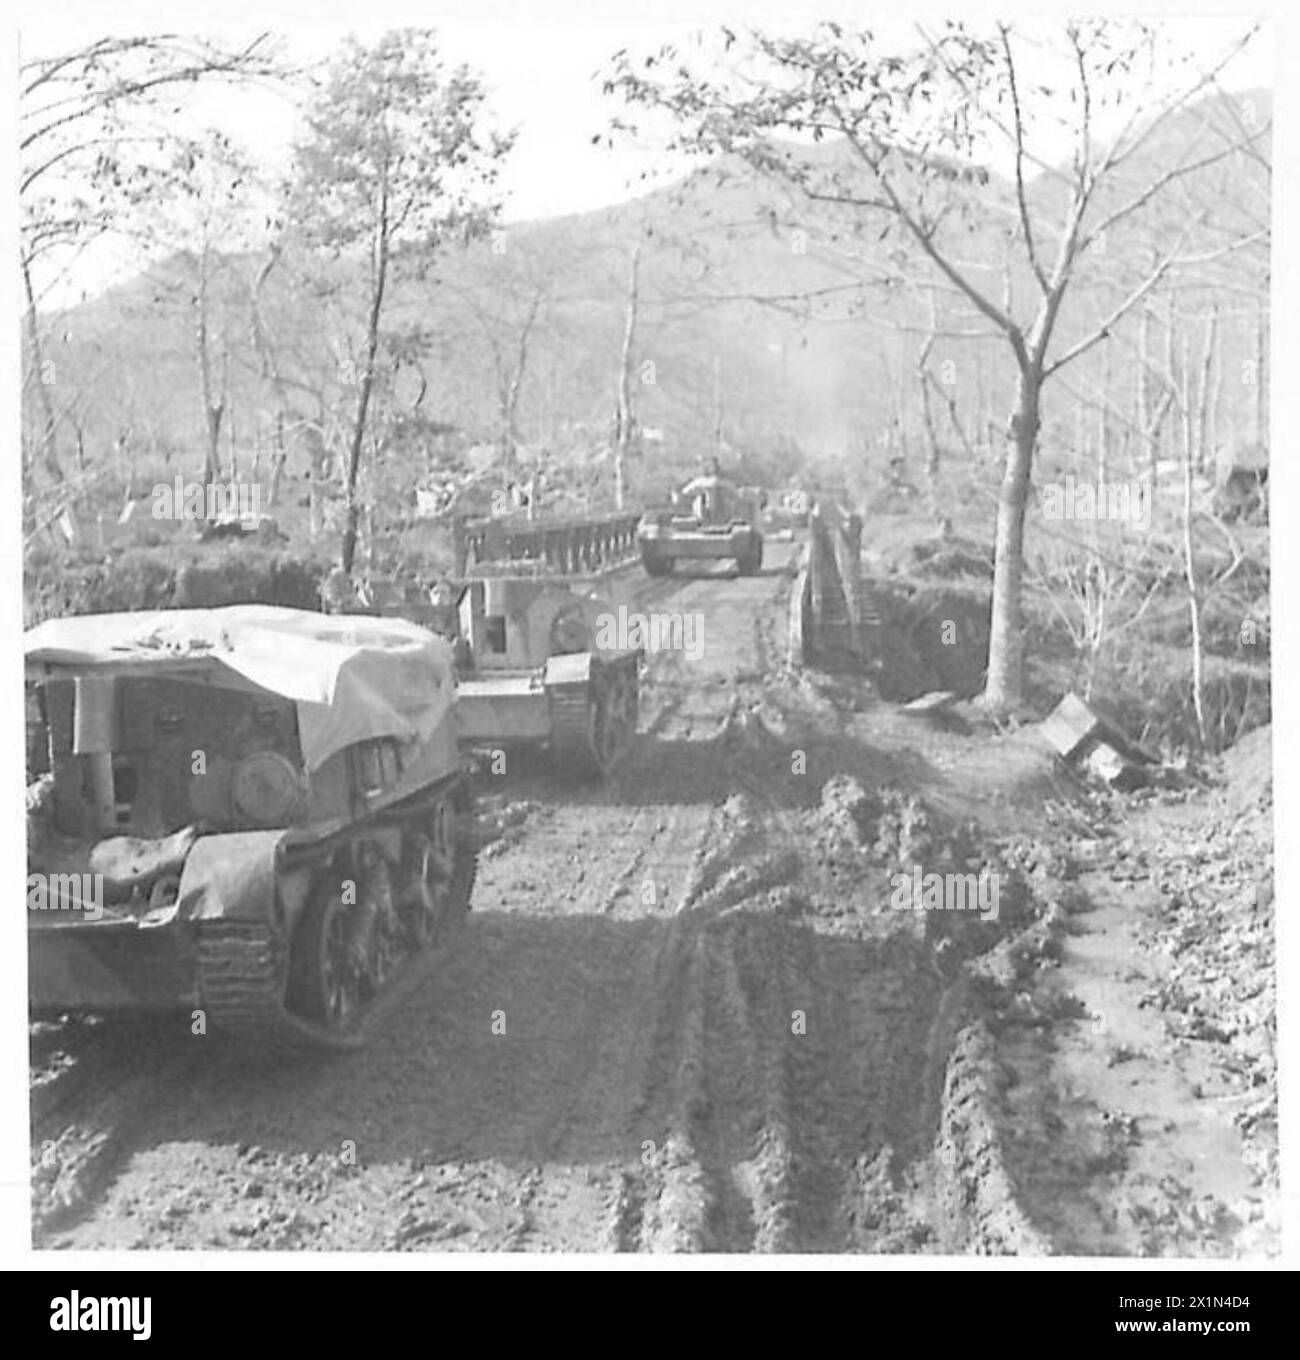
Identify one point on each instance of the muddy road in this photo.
(681, 1015)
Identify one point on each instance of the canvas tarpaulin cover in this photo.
(352, 677)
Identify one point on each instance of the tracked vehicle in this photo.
(254, 814)
(710, 519)
(535, 667)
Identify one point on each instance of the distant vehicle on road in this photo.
(529, 670)
(711, 519)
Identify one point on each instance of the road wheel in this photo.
(380, 940)
(421, 913)
(445, 863)
(328, 970)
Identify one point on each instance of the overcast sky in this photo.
(538, 60)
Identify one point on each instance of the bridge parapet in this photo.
(832, 614)
(566, 547)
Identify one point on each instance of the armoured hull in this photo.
(258, 823)
(530, 672)
(722, 525)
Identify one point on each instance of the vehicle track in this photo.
(640, 1041)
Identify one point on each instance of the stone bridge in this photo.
(568, 547)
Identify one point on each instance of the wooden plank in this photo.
(1070, 725)
(934, 702)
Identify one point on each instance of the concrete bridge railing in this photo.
(568, 547)
(831, 613)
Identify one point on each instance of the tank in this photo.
(253, 816)
(539, 663)
(711, 519)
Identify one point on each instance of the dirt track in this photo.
(680, 1017)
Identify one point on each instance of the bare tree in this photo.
(97, 142)
(505, 312)
(905, 128)
(396, 163)
(200, 233)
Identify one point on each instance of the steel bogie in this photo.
(278, 891)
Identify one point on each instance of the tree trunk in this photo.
(79, 495)
(1189, 555)
(49, 442)
(1171, 368)
(510, 403)
(316, 455)
(1004, 682)
(1202, 427)
(367, 383)
(1261, 379)
(232, 439)
(270, 369)
(213, 409)
(626, 416)
(277, 462)
(1103, 422)
(126, 452)
(933, 454)
(1144, 402)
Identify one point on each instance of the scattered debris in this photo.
(1081, 735)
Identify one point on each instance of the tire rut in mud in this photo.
(706, 1042)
